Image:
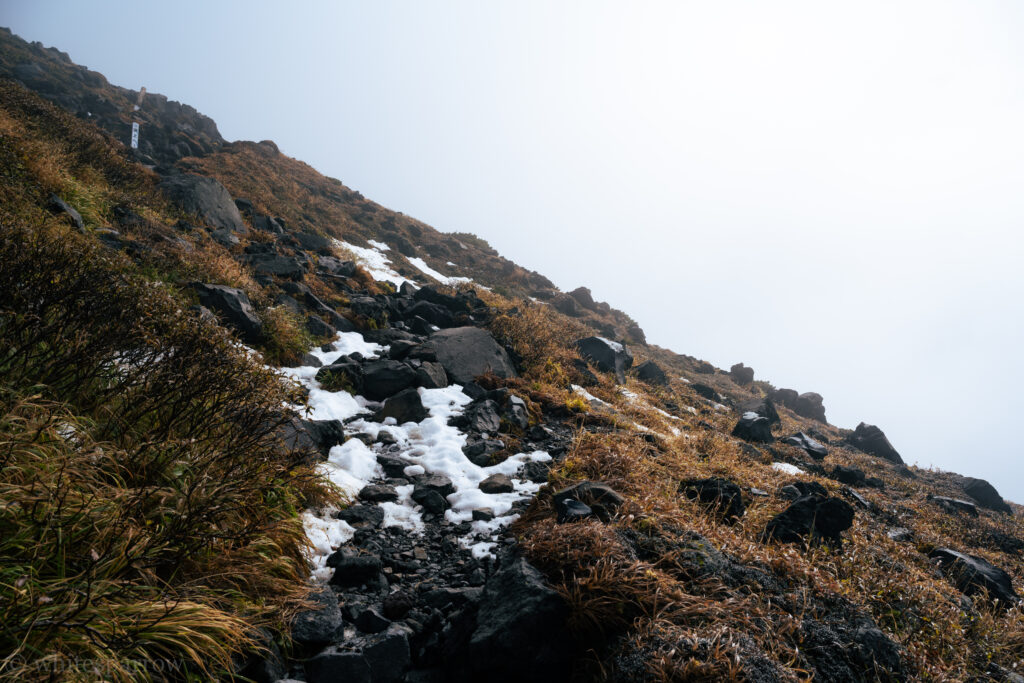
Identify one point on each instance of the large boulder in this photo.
(584, 298)
(986, 495)
(651, 372)
(607, 355)
(719, 494)
(206, 198)
(786, 397)
(872, 440)
(312, 435)
(763, 407)
(318, 625)
(279, 265)
(384, 378)
(754, 427)
(565, 304)
(405, 406)
(973, 574)
(520, 628)
(813, 518)
(811, 447)
(234, 307)
(810, 405)
(467, 352)
(741, 374)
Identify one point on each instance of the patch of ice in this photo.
(379, 245)
(787, 468)
(451, 281)
(719, 406)
(750, 415)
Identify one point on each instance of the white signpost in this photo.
(135, 124)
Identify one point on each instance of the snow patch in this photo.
(787, 468)
(451, 281)
(375, 262)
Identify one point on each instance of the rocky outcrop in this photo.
(810, 405)
(465, 353)
(234, 308)
(741, 374)
(809, 446)
(754, 427)
(972, 575)
(872, 440)
(813, 519)
(204, 198)
(986, 495)
(606, 355)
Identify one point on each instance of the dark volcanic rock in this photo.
(584, 298)
(338, 665)
(753, 427)
(971, 574)
(848, 475)
(317, 435)
(809, 445)
(405, 406)
(383, 378)
(432, 501)
(810, 405)
(763, 407)
(234, 307)
(287, 267)
(483, 417)
(318, 626)
(704, 391)
(955, 505)
(607, 355)
(571, 510)
(786, 397)
(497, 483)
(717, 493)
(58, 205)
(206, 198)
(431, 375)
(986, 495)
(362, 516)
(378, 493)
(741, 374)
(344, 373)
(871, 440)
(351, 569)
(600, 497)
(650, 372)
(467, 352)
(519, 614)
(813, 518)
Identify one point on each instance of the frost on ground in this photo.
(431, 446)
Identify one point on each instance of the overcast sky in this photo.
(831, 193)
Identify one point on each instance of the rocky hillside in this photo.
(441, 468)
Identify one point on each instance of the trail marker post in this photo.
(135, 124)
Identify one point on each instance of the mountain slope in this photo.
(690, 524)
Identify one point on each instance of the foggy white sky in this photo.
(829, 194)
